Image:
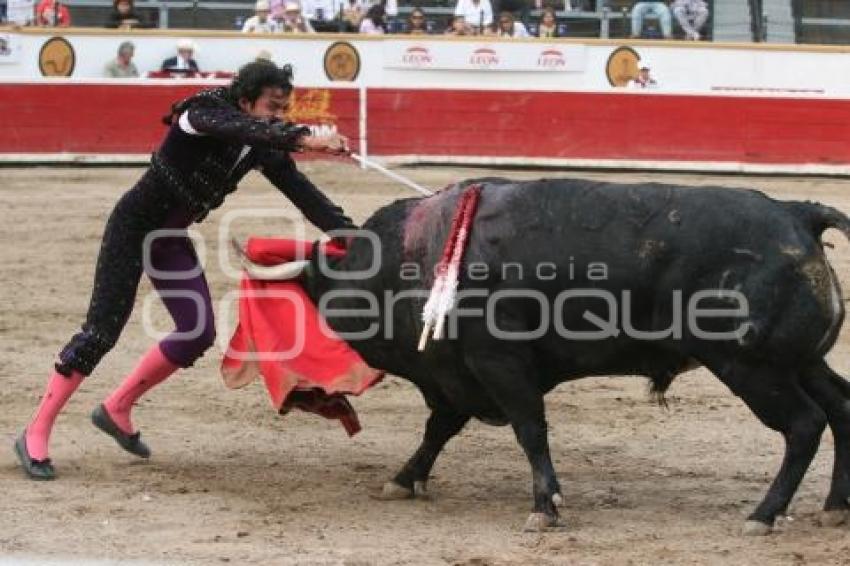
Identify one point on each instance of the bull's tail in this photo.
(819, 217)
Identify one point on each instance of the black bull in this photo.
(549, 260)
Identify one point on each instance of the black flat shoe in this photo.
(41, 470)
(132, 443)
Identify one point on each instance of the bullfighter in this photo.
(215, 137)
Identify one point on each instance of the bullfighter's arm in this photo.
(228, 123)
(280, 169)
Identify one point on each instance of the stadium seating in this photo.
(810, 21)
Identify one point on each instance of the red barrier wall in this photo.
(103, 118)
(620, 125)
(123, 118)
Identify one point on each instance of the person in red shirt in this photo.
(52, 13)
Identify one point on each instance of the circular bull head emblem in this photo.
(56, 58)
(342, 62)
(622, 66)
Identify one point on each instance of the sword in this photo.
(391, 174)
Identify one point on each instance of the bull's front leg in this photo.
(509, 379)
(532, 436)
(412, 479)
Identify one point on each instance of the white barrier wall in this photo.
(719, 107)
(437, 62)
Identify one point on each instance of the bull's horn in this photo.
(282, 272)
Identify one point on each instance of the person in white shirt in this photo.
(260, 21)
(294, 20)
(184, 62)
(352, 10)
(508, 27)
(691, 15)
(321, 10)
(477, 13)
(374, 23)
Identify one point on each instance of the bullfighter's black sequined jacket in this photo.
(211, 145)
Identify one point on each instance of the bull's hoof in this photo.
(393, 491)
(754, 528)
(834, 517)
(541, 522)
(558, 500)
(420, 490)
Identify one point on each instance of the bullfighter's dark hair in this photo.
(248, 83)
(258, 75)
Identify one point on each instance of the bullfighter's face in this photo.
(272, 103)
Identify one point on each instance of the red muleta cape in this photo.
(281, 336)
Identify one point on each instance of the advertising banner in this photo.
(474, 56)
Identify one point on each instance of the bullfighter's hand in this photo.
(333, 143)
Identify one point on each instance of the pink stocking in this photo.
(59, 390)
(151, 370)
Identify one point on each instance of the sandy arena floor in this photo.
(232, 482)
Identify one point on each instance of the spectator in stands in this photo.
(644, 78)
(124, 16)
(276, 10)
(52, 13)
(478, 14)
(294, 20)
(509, 27)
(352, 11)
(691, 15)
(374, 23)
(416, 22)
(122, 67)
(659, 9)
(458, 27)
(260, 22)
(548, 26)
(322, 10)
(390, 6)
(183, 62)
